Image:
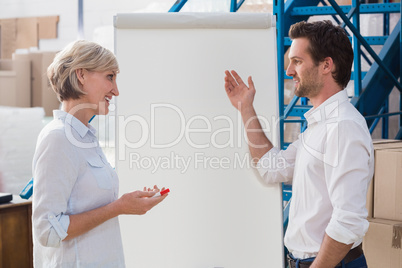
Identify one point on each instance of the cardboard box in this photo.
(42, 93)
(387, 144)
(379, 144)
(382, 244)
(15, 89)
(8, 37)
(7, 85)
(370, 199)
(25, 33)
(388, 184)
(47, 27)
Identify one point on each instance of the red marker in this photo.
(161, 193)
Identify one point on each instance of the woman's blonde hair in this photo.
(78, 55)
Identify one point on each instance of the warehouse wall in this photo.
(98, 15)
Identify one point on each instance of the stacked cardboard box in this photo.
(23, 33)
(42, 93)
(15, 87)
(382, 243)
(24, 83)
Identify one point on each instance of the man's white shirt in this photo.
(330, 167)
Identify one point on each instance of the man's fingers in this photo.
(229, 78)
(228, 84)
(250, 82)
(228, 87)
(237, 77)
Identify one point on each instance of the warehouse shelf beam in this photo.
(366, 45)
(177, 5)
(385, 120)
(375, 123)
(234, 5)
(290, 106)
(297, 110)
(377, 83)
(333, 16)
(294, 120)
(357, 76)
(399, 135)
(328, 10)
(382, 114)
(280, 39)
(350, 15)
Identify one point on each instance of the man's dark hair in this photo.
(327, 40)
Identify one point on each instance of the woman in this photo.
(75, 201)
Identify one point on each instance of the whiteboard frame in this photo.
(136, 230)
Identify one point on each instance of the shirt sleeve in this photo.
(278, 165)
(348, 165)
(55, 170)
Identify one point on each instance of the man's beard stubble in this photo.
(310, 86)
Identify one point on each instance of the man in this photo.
(331, 164)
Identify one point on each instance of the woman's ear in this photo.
(80, 73)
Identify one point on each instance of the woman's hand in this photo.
(139, 202)
(135, 203)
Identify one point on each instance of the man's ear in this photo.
(328, 65)
(80, 73)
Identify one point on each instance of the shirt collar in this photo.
(76, 124)
(328, 109)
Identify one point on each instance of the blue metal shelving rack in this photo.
(372, 88)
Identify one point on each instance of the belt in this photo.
(352, 255)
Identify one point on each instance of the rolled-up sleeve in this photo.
(348, 172)
(58, 231)
(278, 165)
(55, 170)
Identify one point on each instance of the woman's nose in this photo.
(115, 90)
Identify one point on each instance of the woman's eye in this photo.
(110, 76)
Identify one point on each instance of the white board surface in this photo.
(176, 128)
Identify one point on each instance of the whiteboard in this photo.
(176, 128)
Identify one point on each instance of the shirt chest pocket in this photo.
(100, 172)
